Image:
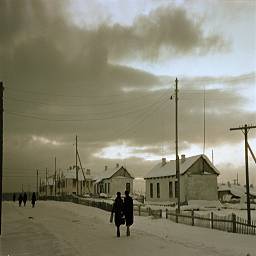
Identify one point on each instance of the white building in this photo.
(112, 180)
(198, 180)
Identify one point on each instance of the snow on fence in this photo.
(230, 223)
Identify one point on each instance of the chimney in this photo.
(163, 161)
(117, 165)
(183, 158)
(88, 172)
(106, 167)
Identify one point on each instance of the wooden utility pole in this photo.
(55, 187)
(46, 178)
(59, 182)
(76, 171)
(245, 129)
(176, 143)
(204, 123)
(1, 151)
(37, 184)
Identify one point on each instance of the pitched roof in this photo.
(236, 190)
(109, 173)
(169, 169)
(71, 174)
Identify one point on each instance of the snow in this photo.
(68, 229)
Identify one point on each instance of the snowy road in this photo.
(57, 228)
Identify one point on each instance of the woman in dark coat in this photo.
(25, 197)
(128, 211)
(20, 199)
(33, 199)
(118, 210)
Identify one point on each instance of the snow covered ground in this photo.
(67, 229)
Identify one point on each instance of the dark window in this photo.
(158, 190)
(74, 183)
(105, 188)
(176, 189)
(151, 190)
(108, 187)
(128, 186)
(170, 190)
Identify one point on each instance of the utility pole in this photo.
(36, 183)
(1, 152)
(176, 143)
(245, 129)
(59, 182)
(204, 123)
(55, 188)
(76, 170)
(46, 178)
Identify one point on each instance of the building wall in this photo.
(202, 187)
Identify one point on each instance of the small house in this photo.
(198, 180)
(112, 180)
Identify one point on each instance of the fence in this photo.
(230, 223)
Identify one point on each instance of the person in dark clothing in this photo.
(118, 211)
(14, 197)
(33, 199)
(25, 197)
(128, 212)
(20, 199)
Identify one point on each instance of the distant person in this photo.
(14, 197)
(33, 199)
(25, 198)
(118, 211)
(128, 212)
(20, 199)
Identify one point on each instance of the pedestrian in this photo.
(33, 199)
(128, 212)
(118, 211)
(14, 197)
(20, 199)
(25, 197)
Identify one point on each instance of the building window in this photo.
(108, 187)
(74, 183)
(105, 188)
(151, 190)
(128, 187)
(158, 190)
(170, 190)
(176, 189)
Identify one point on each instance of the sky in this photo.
(105, 71)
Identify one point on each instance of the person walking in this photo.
(20, 199)
(33, 199)
(118, 211)
(25, 198)
(128, 212)
(14, 197)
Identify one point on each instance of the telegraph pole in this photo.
(76, 170)
(37, 184)
(46, 178)
(55, 188)
(245, 129)
(176, 143)
(1, 151)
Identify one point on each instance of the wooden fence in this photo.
(230, 223)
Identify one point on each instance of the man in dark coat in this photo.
(128, 211)
(20, 199)
(25, 197)
(118, 210)
(33, 199)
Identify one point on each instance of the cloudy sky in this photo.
(105, 71)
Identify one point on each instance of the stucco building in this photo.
(198, 180)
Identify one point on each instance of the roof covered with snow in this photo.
(107, 174)
(71, 174)
(236, 190)
(169, 169)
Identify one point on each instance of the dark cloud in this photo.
(60, 82)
